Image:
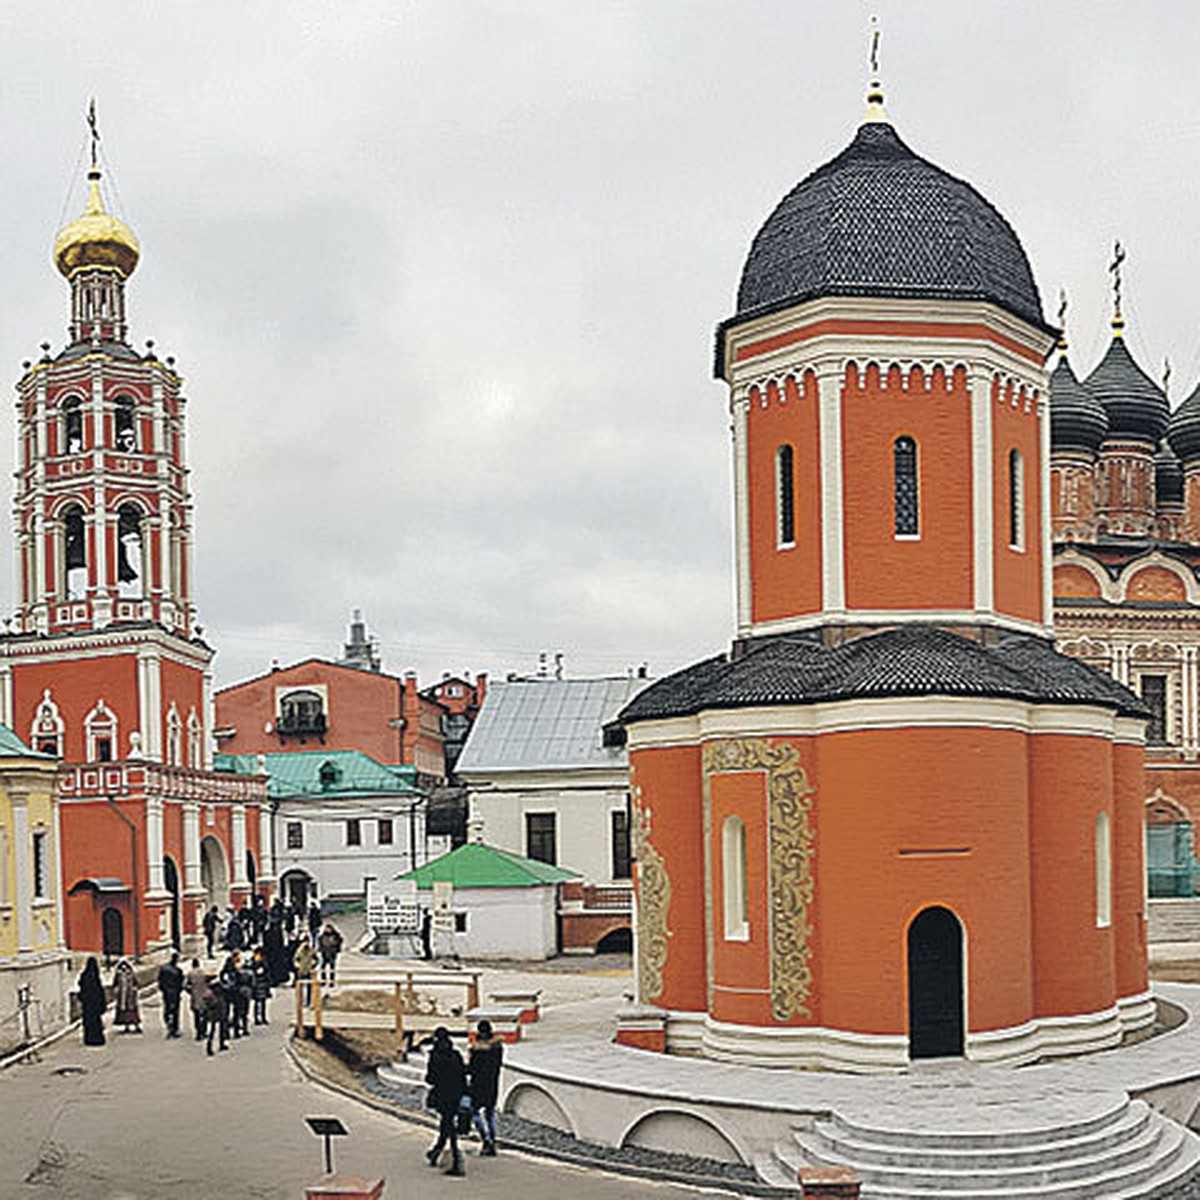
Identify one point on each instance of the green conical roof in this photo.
(478, 866)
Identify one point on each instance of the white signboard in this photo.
(443, 907)
(394, 909)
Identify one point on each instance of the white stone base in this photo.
(810, 1046)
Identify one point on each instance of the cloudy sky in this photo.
(442, 277)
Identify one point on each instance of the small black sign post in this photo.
(328, 1128)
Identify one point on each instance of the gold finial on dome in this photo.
(875, 109)
(96, 239)
(1118, 321)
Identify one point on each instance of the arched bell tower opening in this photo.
(935, 985)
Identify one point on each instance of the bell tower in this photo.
(104, 524)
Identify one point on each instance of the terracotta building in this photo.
(349, 705)
(891, 822)
(1125, 475)
(106, 667)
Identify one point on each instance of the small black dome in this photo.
(1168, 475)
(1135, 404)
(1077, 419)
(1184, 430)
(878, 220)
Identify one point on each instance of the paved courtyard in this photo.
(144, 1118)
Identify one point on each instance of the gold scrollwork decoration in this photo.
(654, 899)
(791, 851)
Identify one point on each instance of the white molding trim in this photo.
(901, 712)
(896, 616)
(793, 1045)
(739, 427)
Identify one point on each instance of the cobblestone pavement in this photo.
(144, 1118)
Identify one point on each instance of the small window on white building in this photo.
(622, 862)
(541, 837)
(385, 831)
(354, 832)
(1103, 871)
(733, 879)
(295, 835)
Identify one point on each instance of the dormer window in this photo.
(330, 776)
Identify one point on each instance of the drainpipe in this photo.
(133, 877)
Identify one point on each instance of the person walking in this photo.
(314, 920)
(170, 984)
(278, 964)
(230, 984)
(197, 987)
(447, 1079)
(125, 998)
(304, 962)
(330, 946)
(262, 986)
(92, 1003)
(212, 922)
(216, 1015)
(483, 1066)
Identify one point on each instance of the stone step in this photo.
(1173, 920)
(972, 1152)
(1156, 1156)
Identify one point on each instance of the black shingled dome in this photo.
(913, 660)
(878, 220)
(1184, 430)
(1136, 405)
(1078, 421)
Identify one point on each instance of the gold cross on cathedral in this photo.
(1115, 268)
(94, 129)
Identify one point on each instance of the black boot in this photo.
(456, 1167)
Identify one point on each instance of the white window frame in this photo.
(733, 879)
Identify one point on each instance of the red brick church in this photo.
(105, 665)
(889, 822)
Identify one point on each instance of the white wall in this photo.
(502, 923)
(337, 868)
(583, 811)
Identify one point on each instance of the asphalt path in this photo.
(147, 1118)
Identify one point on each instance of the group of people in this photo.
(464, 1093)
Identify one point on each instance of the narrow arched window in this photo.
(785, 496)
(75, 552)
(129, 552)
(1103, 871)
(72, 425)
(174, 738)
(905, 488)
(1016, 500)
(733, 879)
(125, 425)
(100, 730)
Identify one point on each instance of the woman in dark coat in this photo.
(125, 998)
(484, 1069)
(447, 1079)
(92, 1003)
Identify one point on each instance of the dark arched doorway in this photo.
(935, 985)
(112, 929)
(171, 879)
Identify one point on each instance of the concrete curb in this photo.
(713, 1185)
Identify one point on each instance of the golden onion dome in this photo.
(97, 239)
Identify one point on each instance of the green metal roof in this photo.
(341, 773)
(478, 866)
(11, 746)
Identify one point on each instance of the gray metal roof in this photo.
(537, 724)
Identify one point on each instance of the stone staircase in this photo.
(1125, 1152)
(1173, 920)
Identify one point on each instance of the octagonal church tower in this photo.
(891, 822)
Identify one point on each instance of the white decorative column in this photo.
(192, 885)
(739, 413)
(24, 868)
(238, 821)
(208, 722)
(150, 703)
(156, 889)
(830, 382)
(983, 522)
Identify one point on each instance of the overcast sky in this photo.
(442, 277)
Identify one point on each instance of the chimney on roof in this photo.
(475, 830)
